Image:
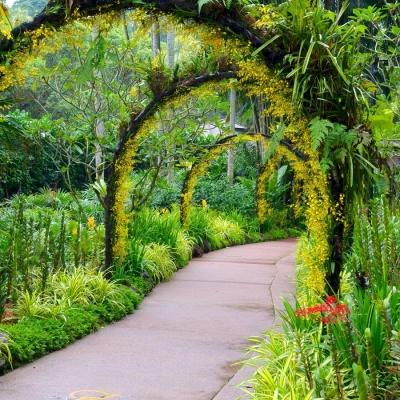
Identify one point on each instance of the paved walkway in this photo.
(182, 342)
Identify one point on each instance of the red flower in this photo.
(341, 309)
(331, 300)
(334, 311)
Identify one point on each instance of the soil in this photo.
(6, 318)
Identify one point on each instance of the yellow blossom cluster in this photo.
(256, 79)
(337, 210)
(91, 223)
(267, 16)
(313, 254)
(122, 169)
(309, 187)
(262, 206)
(197, 170)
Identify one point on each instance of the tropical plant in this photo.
(323, 58)
(224, 232)
(159, 263)
(30, 305)
(375, 256)
(278, 377)
(346, 348)
(184, 248)
(5, 353)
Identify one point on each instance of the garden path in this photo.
(182, 342)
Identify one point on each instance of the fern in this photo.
(326, 163)
(340, 155)
(349, 137)
(319, 129)
(336, 135)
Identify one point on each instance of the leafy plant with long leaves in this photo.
(323, 61)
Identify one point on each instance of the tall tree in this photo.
(98, 122)
(232, 126)
(171, 66)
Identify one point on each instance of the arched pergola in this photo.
(199, 167)
(254, 75)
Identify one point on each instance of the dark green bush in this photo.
(276, 234)
(142, 285)
(223, 197)
(294, 233)
(216, 191)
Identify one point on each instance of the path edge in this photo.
(283, 285)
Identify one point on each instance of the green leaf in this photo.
(202, 3)
(326, 164)
(319, 129)
(307, 59)
(275, 140)
(255, 52)
(337, 66)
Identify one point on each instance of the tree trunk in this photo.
(171, 49)
(156, 48)
(337, 238)
(155, 35)
(232, 123)
(99, 123)
(171, 65)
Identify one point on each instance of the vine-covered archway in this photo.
(242, 31)
(200, 166)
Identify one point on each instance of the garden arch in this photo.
(254, 75)
(199, 168)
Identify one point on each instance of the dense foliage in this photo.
(318, 85)
(344, 347)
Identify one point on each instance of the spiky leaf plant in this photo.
(159, 263)
(184, 247)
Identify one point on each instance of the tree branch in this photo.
(137, 120)
(283, 142)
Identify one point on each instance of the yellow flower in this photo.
(204, 203)
(75, 231)
(91, 223)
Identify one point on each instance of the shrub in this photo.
(199, 227)
(276, 234)
(223, 197)
(159, 263)
(140, 284)
(184, 246)
(224, 232)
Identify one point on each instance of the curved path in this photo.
(180, 344)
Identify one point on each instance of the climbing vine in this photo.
(199, 169)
